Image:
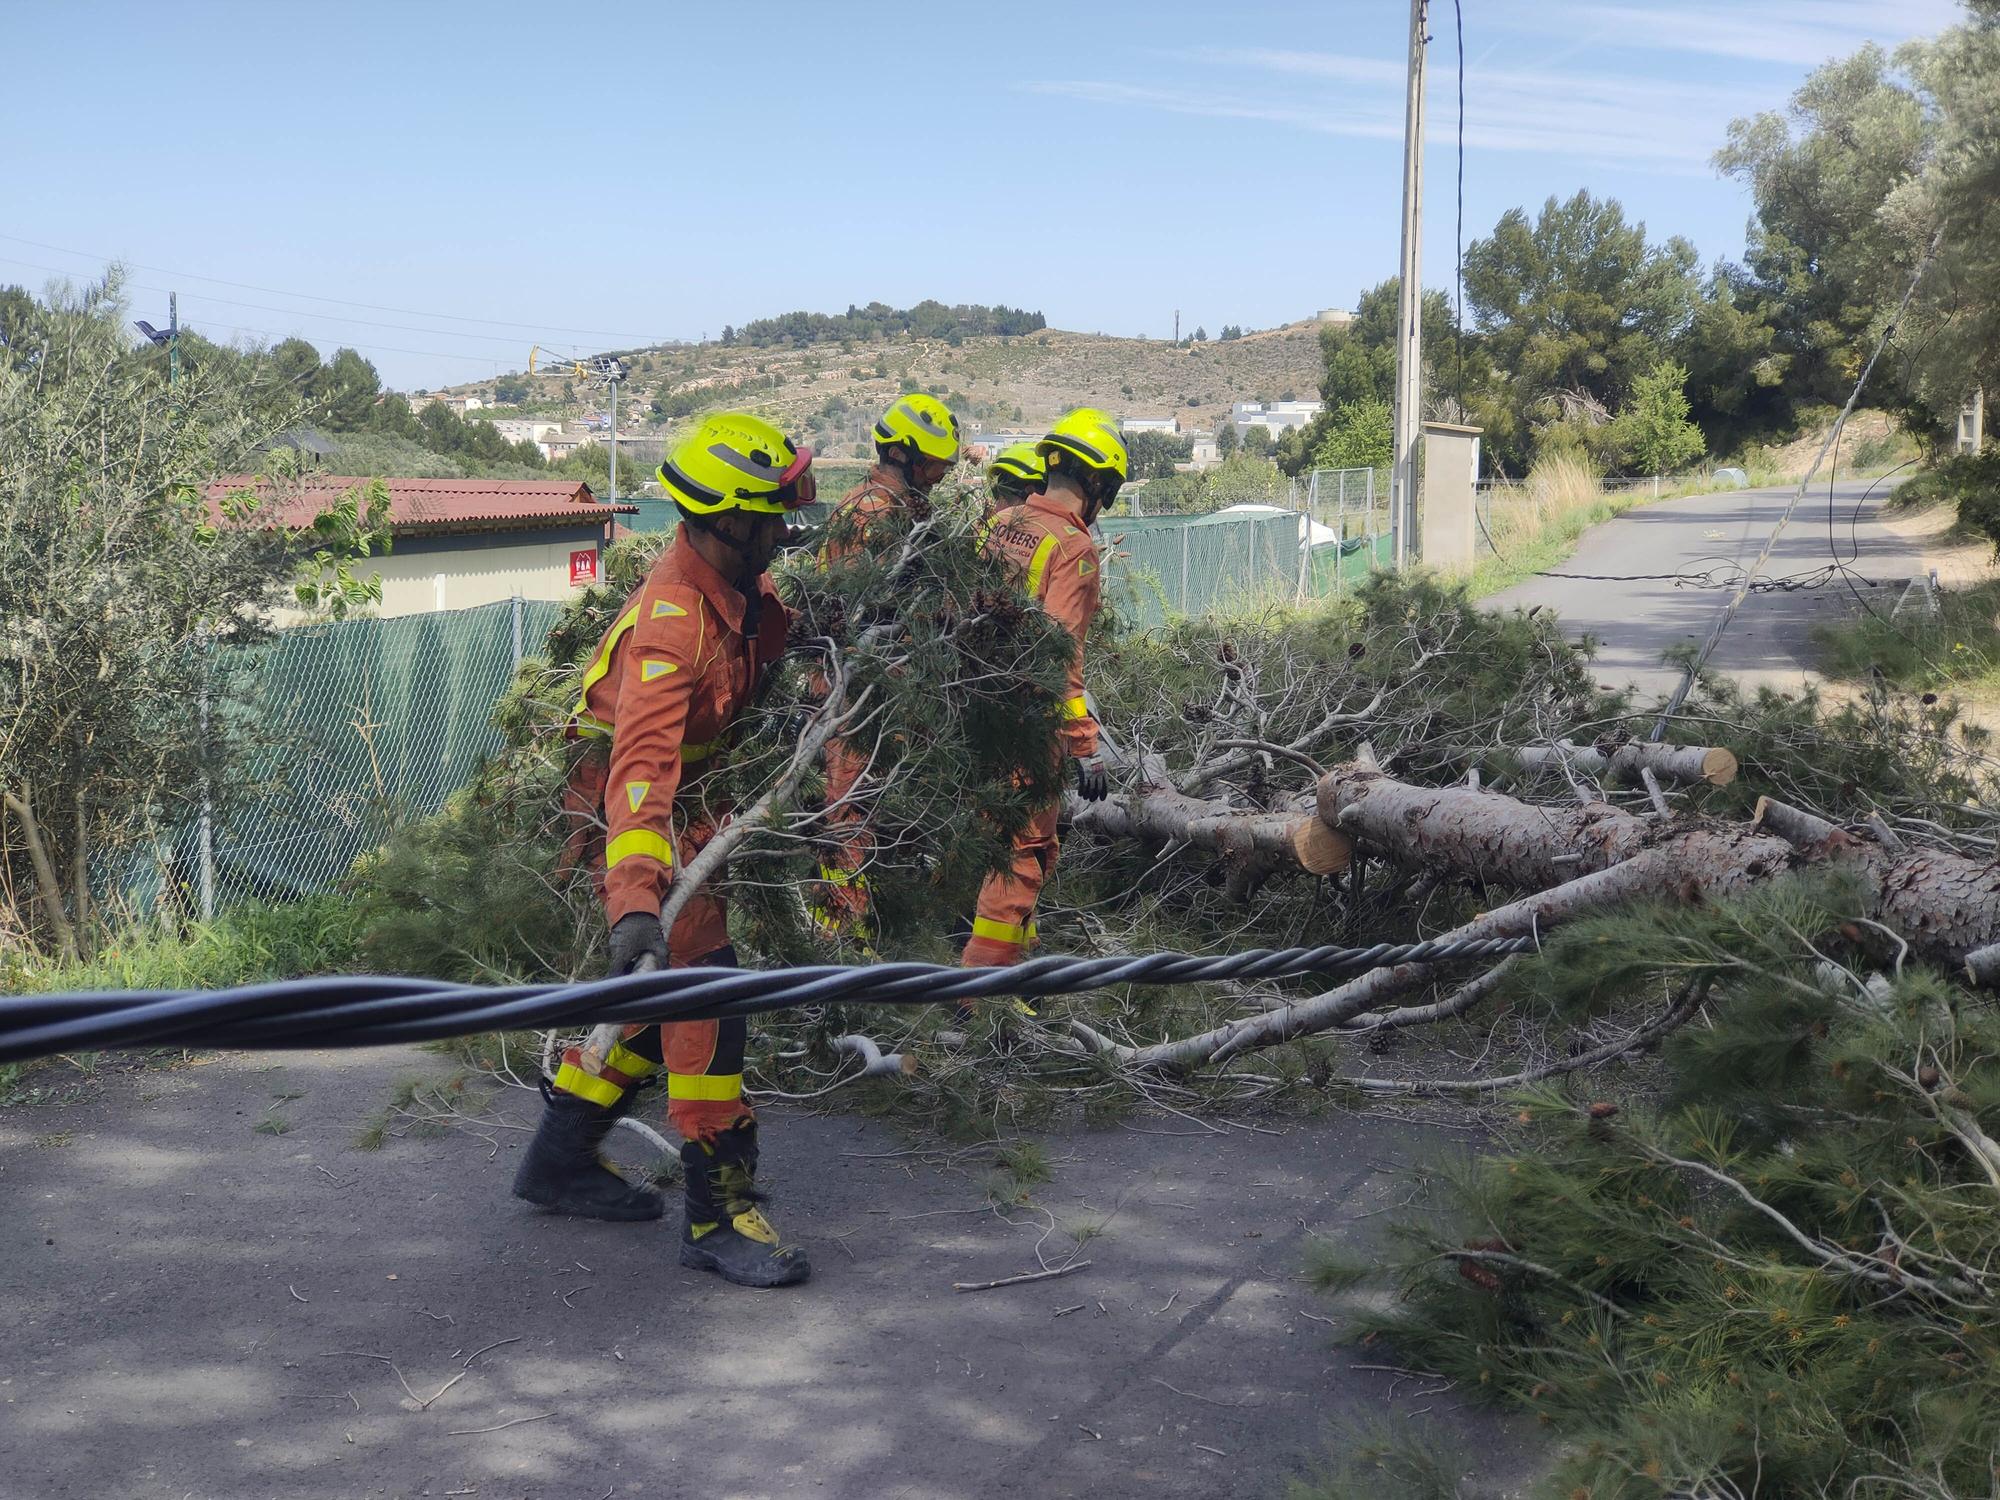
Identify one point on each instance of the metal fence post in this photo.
(206, 832)
(1185, 529)
(517, 629)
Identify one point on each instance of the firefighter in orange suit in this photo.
(1045, 541)
(682, 660)
(916, 443)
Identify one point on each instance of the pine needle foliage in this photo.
(1779, 1279)
(959, 682)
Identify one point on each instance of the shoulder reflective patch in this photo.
(1069, 531)
(662, 610)
(648, 670)
(1085, 567)
(635, 792)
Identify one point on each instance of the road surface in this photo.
(1769, 644)
(192, 1303)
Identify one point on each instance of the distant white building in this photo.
(1204, 454)
(1150, 424)
(1274, 417)
(524, 429)
(1337, 317)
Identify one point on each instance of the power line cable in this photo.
(377, 1010)
(415, 312)
(1736, 599)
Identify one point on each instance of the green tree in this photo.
(346, 391)
(1577, 301)
(1359, 436)
(118, 581)
(1225, 438)
(1821, 255)
(1653, 431)
(1154, 454)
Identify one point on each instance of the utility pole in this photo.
(1409, 304)
(173, 338)
(615, 373)
(1177, 328)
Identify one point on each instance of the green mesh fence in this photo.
(1163, 567)
(369, 722)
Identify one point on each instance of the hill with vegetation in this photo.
(831, 377)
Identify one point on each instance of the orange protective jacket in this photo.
(1051, 555)
(882, 494)
(684, 658)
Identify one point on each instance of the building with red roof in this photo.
(456, 543)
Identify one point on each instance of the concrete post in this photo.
(1450, 493)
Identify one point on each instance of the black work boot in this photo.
(725, 1233)
(563, 1172)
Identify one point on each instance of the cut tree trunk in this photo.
(1296, 838)
(1478, 835)
(1942, 904)
(1684, 765)
(1700, 864)
(1581, 860)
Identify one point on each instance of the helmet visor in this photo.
(797, 488)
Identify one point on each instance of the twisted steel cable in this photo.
(380, 1010)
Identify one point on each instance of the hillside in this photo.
(834, 390)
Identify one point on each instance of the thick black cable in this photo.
(380, 1010)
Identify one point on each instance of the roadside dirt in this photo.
(202, 1304)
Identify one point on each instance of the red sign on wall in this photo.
(583, 567)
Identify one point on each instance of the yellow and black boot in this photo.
(725, 1232)
(563, 1172)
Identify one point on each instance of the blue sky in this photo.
(440, 185)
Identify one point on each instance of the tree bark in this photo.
(21, 805)
(1684, 765)
(1982, 966)
(1478, 835)
(1944, 905)
(1161, 815)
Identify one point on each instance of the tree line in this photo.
(929, 319)
(1582, 333)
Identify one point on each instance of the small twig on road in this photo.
(1216, 1451)
(987, 1286)
(1078, 1308)
(1192, 1396)
(295, 1293)
(490, 1348)
(1163, 1306)
(335, 1180)
(475, 1431)
(584, 1287)
(1091, 1430)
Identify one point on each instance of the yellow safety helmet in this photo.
(1088, 439)
(1016, 469)
(736, 461)
(921, 423)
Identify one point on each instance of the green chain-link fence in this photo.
(365, 723)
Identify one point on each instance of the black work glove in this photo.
(636, 936)
(1092, 782)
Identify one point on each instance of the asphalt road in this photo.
(196, 1307)
(1635, 622)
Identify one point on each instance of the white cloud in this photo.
(1797, 33)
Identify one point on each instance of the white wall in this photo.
(482, 575)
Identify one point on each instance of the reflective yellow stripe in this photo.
(591, 725)
(602, 665)
(700, 751)
(705, 1086)
(571, 1079)
(1000, 932)
(835, 876)
(630, 1063)
(638, 841)
(1039, 564)
(1077, 707)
